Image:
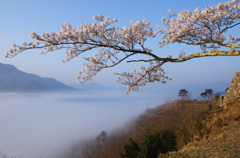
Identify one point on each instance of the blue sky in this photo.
(19, 18)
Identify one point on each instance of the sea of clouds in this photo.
(45, 124)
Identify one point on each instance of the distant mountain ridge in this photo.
(14, 80)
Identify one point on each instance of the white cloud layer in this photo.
(36, 125)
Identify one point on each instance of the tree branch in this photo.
(206, 54)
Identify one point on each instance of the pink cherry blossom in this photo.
(206, 28)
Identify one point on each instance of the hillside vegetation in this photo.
(181, 128)
(220, 136)
(223, 143)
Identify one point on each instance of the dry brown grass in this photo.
(221, 117)
(222, 136)
(225, 143)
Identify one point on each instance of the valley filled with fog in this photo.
(44, 117)
(46, 124)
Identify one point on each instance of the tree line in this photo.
(207, 94)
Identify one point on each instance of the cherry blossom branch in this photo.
(202, 27)
(206, 28)
(147, 75)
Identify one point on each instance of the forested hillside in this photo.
(160, 130)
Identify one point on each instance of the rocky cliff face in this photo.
(233, 91)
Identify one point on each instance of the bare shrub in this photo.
(184, 118)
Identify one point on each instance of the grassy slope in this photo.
(223, 140)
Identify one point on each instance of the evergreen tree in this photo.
(131, 150)
(183, 94)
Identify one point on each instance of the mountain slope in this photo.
(14, 80)
(224, 143)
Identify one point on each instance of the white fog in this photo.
(44, 125)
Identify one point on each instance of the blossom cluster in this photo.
(202, 27)
(104, 59)
(147, 75)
